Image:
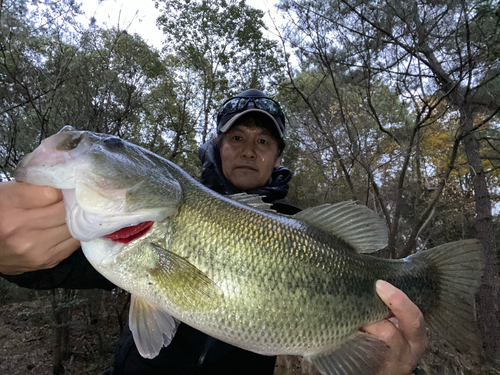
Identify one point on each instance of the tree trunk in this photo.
(61, 309)
(488, 297)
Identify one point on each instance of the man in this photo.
(37, 251)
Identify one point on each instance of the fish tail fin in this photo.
(460, 267)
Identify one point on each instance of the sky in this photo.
(140, 16)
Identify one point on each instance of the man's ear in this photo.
(277, 162)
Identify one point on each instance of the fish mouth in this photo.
(129, 234)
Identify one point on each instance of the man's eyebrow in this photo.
(262, 131)
(267, 134)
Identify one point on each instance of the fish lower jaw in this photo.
(101, 252)
(89, 226)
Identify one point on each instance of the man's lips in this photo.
(128, 234)
(246, 167)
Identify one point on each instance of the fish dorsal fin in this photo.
(152, 327)
(356, 224)
(253, 200)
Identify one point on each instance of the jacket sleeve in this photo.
(75, 272)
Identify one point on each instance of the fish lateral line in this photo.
(223, 296)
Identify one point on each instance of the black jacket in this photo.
(273, 192)
(191, 351)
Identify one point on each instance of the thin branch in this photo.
(410, 245)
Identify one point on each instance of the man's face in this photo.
(249, 154)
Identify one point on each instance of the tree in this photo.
(221, 44)
(29, 37)
(53, 75)
(168, 126)
(442, 59)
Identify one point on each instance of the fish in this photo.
(234, 269)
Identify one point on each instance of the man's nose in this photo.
(248, 150)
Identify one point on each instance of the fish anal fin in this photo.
(152, 327)
(362, 354)
(186, 286)
(356, 224)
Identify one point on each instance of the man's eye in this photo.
(262, 141)
(237, 138)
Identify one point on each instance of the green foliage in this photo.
(366, 111)
(220, 43)
(26, 44)
(100, 80)
(168, 125)
(335, 130)
(375, 103)
(55, 72)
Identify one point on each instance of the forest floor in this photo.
(27, 341)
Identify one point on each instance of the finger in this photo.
(49, 238)
(47, 217)
(48, 259)
(41, 260)
(24, 195)
(45, 247)
(61, 251)
(386, 331)
(8, 269)
(409, 317)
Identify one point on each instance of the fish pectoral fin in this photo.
(183, 283)
(356, 224)
(362, 354)
(152, 327)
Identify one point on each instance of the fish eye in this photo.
(113, 142)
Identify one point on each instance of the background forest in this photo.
(393, 104)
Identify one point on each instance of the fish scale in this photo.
(264, 282)
(222, 260)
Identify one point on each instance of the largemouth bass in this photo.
(271, 284)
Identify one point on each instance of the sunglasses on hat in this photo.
(237, 104)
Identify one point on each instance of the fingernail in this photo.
(384, 289)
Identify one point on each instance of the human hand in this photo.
(404, 333)
(33, 230)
